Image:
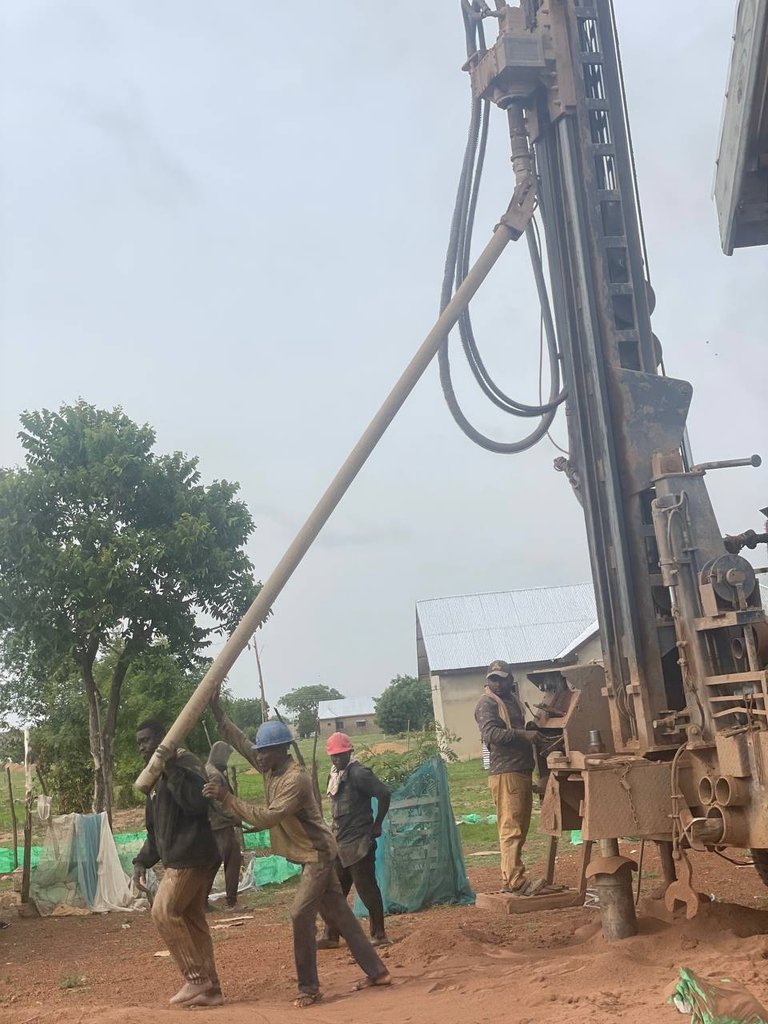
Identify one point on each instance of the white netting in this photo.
(79, 869)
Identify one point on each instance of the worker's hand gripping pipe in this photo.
(511, 227)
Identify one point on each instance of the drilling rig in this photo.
(668, 739)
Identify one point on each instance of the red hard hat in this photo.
(338, 743)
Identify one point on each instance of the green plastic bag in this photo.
(272, 870)
(715, 1002)
(6, 858)
(256, 840)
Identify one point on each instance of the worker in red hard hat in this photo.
(298, 833)
(351, 787)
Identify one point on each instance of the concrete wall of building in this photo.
(357, 725)
(455, 695)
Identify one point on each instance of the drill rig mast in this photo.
(678, 714)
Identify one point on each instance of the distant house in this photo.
(534, 630)
(352, 715)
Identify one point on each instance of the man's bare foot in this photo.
(190, 990)
(206, 999)
(306, 999)
(383, 979)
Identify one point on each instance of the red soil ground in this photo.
(451, 965)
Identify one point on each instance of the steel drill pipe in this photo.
(505, 232)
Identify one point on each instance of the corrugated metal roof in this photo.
(348, 707)
(520, 626)
(585, 635)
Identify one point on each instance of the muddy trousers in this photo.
(179, 915)
(512, 794)
(319, 892)
(228, 844)
(363, 876)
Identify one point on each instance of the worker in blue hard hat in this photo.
(297, 832)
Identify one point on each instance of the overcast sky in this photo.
(230, 218)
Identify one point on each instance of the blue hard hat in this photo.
(272, 734)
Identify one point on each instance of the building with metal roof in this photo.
(535, 630)
(352, 715)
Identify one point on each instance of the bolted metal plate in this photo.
(633, 799)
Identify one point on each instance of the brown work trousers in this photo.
(178, 911)
(319, 892)
(512, 794)
(228, 844)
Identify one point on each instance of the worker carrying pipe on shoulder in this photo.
(179, 835)
(298, 833)
(351, 787)
(501, 721)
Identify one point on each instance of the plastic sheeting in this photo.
(79, 869)
(419, 860)
(272, 870)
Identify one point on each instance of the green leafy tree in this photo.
(406, 704)
(107, 546)
(393, 767)
(301, 705)
(11, 745)
(156, 685)
(245, 712)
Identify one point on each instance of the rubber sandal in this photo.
(306, 999)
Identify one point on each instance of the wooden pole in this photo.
(13, 819)
(315, 780)
(551, 858)
(264, 708)
(41, 777)
(207, 736)
(27, 868)
(233, 774)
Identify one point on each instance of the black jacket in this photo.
(509, 749)
(178, 831)
(351, 804)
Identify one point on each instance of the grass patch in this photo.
(468, 783)
(70, 981)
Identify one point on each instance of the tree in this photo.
(107, 546)
(301, 705)
(156, 685)
(245, 712)
(405, 704)
(11, 744)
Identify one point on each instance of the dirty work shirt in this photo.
(509, 751)
(178, 831)
(296, 827)
(352, 813)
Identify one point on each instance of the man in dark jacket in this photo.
(501, 720)
(179, 835)
(225, 828)
(351, 787)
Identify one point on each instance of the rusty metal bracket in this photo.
(520, 210)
